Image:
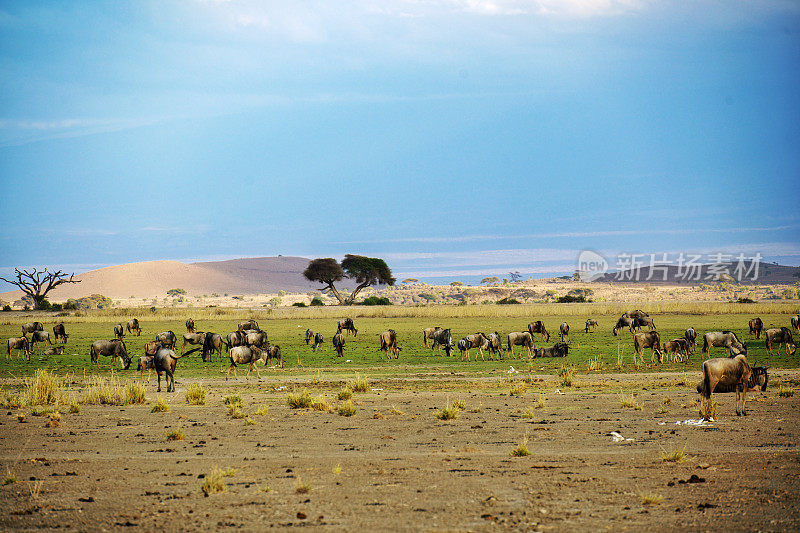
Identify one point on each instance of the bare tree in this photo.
(37, 284)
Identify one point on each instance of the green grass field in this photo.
(287, 328)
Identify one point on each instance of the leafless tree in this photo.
(37, 283)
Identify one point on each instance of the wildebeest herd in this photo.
(249, 345)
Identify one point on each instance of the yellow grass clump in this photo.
(134, 393)
(196, 394)
(358, 384)
(160, 406)
(347, 409)
(43, 388)
(104, 391)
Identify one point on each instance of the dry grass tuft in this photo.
(302, 488)
(214, 482)
(301, 400)
(13, 401)
(396, 411)
(650, 498)
(43, 388)
(319, 403)
(517, 389)
(249, 422)
(233, 399)
(594, 364)
(541, 402)
(337, 469)
(134, 394)
(358, 384)
(785, 393)
(347, 409)
(263, 410)
(522, 449)
(235, 411)
(674, 456)
(196, 394)
(449, 412)
(528, 413)
(567, 374)
(459, 404)
(160, 406)
(630, 402)
(10, 478)
(708, 409)
(174, 434)
(74, 408)
(104, 391)
(345, 394)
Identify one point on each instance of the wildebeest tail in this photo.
(705, 344)
(191, 351)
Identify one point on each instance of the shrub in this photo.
(447, 413)
(174, 435)
(299, 401)
(459, 404)
(196, 394)
(522, 449)
(745, 301)
(134, 393)
(508, 301)
(569, 299)
(358, 384)
(345, 394)
(214, 482)
(299, 304)
(319, 403)
(233, 399)
(235, 411)
(160, 406)
(375, 300)
(317, 302)
(43, 388)
(347, 409)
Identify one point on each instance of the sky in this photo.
(456, 139)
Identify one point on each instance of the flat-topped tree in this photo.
(365, 271)
(37, 283)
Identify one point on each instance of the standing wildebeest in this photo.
(60, 332)
(563, 330)
(318, 340)
(389, 344)
(676, 347)
(638, 313)
(347, 325)
(641, 322)
(520, 338)
(257, 338)
(168, 339)
(623, 322)
(309, 336)
(40, 336)
(729, 372)
(538, 327)
(495, 345)
(273, 351)
(57, 350)
(442, 337)
(189, 325)
(248, 324)
(795, 321)
(119, 333)
(18, 343)
(723, 339)
(428, 333)
(114, 348)
(338, 344)
(756, 326)
(165, 361)
(193, 338)
(146, 362)
(560, 349)
(246, 355)
(151, 347)
(590, 323)
(758, 379)
(691, 337)
(651, 340)
(777, 336)
(30, 327)
(235, 338)
(212, 342)
(133, 325)
(475, 340)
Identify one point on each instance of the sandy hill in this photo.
(768, 274)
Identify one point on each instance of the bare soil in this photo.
(111, 468)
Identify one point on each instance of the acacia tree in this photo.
(37, 284)
(365, 271)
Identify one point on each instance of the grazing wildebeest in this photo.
(428, 333)
(193, 338)
(309, 336)
(691, 337)
(347, 325)
(590, 323)
(560, 349)
(168, 339)
(151, 347)
(758, 379)
(235, 338)
(318, 340)
(338, 344)
(189, 325)
(538, 327)
(389, 344)
(651, 340)
(18, 343)
(133, 325)
(474, 340)
(777, 336)
(114, 348)
(146, 362)
(730, 372)
(212, 342)
(676, 347)
(30, 327)
(638, 313)
(119, 333)
(756, 326)
(40, 336)
(257, 338)
(623, 322)
(248, 324)
(641, 322)
(795, 321)
(520, 338)
(442, 337)
(59, 332)
(165, 361)
(273, 351)
(246, 355)
(495, 345)
(723, 339)
(563, 330)
(57, 350)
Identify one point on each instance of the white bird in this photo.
(511, 370)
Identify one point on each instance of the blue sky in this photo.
(454, 138)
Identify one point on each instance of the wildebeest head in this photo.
(759, 377)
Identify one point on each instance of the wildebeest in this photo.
(40, 336)
(56, 350)
(246, 355)
(257, 338)
(189, 325)
(651, 340)
(114, 348)
(338, 344)
(146, 362)
(165, 361)
(193, 338)
(795, 321)
(428, 333)
(640, 322)
(119, 333)
(638, 313)
(235, 338)
(723, 339)
(151, 347)
(318, 340)
(758, 379)
(560, 349)
(30, 327)
(590, 323)
(133, 325)
(309, 336)
(495, 344)
(756, 326)
(780, 336)
(347, 325)
(168, 339)
(212, 342)
(563, 330)
(274, 352)
(691, 337)
(730, 372)
(474, 340)
(520, 338)
(623, 322)
(676, 347)
(442, 337)
(18, 343)
(248, 324)
(389, 344)
(59, 332)
(538, 327)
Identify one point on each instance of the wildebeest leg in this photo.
(158, 372)
(229, 371)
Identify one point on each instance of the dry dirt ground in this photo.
(394, 466)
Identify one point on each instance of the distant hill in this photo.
(768, 274)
